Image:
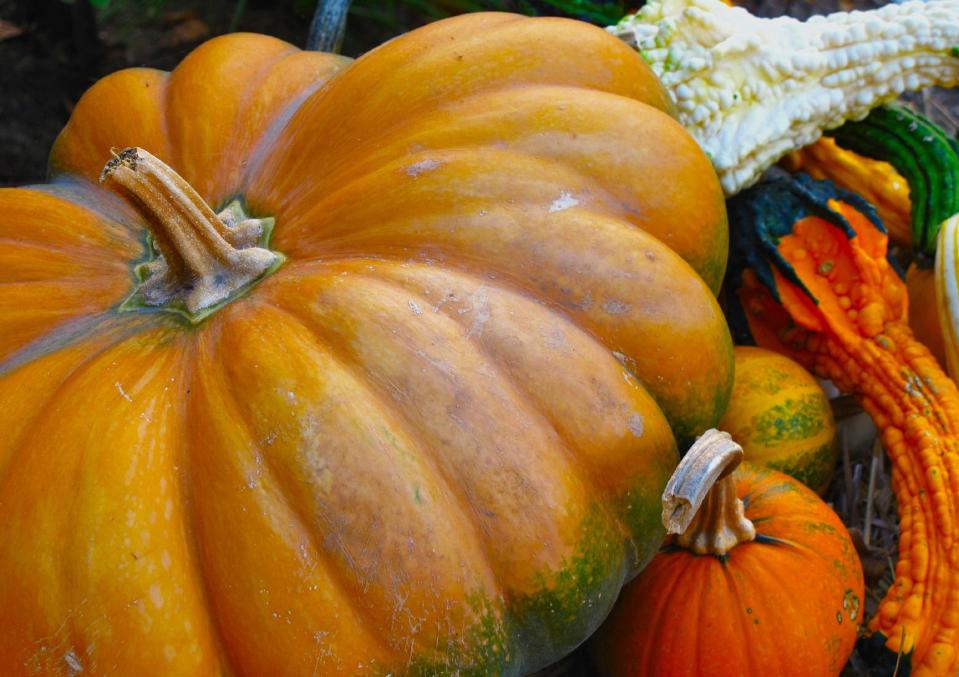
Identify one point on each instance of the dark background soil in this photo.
(51, 51)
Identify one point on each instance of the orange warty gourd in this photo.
(814, 283)
(762, 579)
(908, 168)
(352, 367)
(782, 418)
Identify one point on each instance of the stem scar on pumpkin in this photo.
(201, 260)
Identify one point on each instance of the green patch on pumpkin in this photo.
(814, 468)
(484, 649)
(794, 419)
(539, 628)
(572, 601)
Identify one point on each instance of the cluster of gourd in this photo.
(382, 366)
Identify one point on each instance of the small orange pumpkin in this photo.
(762, 579)
(352, 367)
(782, 418)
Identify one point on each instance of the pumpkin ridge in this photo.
(383, 401)
(521, 603)
(277, 126)
(411, 164)
(253, 57)
(190, 539)
(684, 412)
(436, 133)
(760, 572)
(427, 456)
(249, 97)
(24, 357)
(678, 572)
(81, 191)
(568, 446)
(79, 270)
(66, 601)
(99, 232)
(634, 508)
(87, 327)
(135, 97)
(751, 659)
(272, 476)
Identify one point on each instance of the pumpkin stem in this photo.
(700, 502)
(203, 258)
(328, 26)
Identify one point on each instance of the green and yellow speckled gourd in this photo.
(752, 89)
(810, 279)
(782, 418)
(760, 579)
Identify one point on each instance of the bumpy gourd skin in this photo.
(815, 284)
(908, 167)
(752, 89)
(418, 446)
(875, 180)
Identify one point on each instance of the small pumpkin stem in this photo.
(328, 26)
(203, 260)
(700, 502)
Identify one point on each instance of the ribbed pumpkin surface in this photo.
(434, 440)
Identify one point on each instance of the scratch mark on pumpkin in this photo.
(481, 312)
(73, 662)
(122, 392)
(415, 307)
(563, 202)
(418, 168)
(615, 307)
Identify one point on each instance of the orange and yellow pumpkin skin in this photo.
(923, 311)
(788, 603)
(432, 441)
(781, 417)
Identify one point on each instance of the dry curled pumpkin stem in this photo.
(204, 257)
(817, 286)
(700, 502)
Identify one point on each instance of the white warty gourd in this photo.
(751, 90)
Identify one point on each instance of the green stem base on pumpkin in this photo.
(200, 260)
(700, 502)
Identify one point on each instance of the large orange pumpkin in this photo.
(423, 426)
